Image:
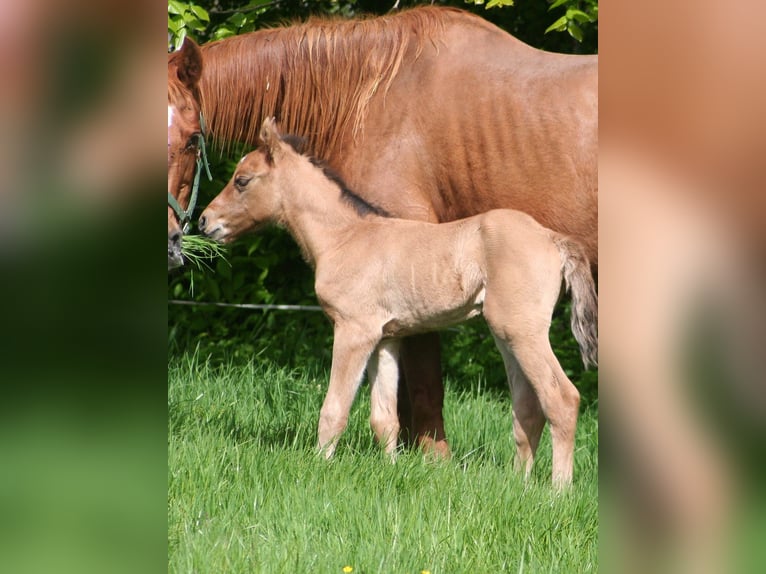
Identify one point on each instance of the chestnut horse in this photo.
(186, 147)
(380, 278)
(432, 113)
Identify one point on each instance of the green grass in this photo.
(198, 249)
(247, 492)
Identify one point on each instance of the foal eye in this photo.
(242, 181)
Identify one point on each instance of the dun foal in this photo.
(379, 279)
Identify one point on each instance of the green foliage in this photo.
(247, 492)
(574, 18)
(579, 15)
(491, 3)
(185, 19)
(530, 21)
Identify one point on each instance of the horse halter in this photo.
(184, 215)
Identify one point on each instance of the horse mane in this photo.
(360, 205)
(316, 77)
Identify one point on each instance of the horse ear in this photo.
(270, 137)
(189, 68)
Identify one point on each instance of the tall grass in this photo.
(247, 492)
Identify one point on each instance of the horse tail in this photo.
(579, 282)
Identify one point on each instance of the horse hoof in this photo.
(435, 449)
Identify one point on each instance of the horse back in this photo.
(483, 121)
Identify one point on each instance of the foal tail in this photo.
(579, 281)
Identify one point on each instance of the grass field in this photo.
(247, 492)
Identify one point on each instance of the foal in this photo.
(379, 279)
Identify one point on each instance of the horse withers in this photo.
(380, 278)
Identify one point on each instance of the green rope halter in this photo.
(184, 215)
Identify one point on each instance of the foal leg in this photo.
(559, 399)
(528, 417)
(522, 288)
(423, 392)
(350, 352)
(383, 373)
(524, 335)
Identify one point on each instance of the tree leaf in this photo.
(574, 31)
(174, 24)
(194, 24)
(180, 37)
(200, 12)
(557, 3)
(237, 19)
(501, 3)
(223, 32)
(175, 7)
(579, 15)
(559, 25)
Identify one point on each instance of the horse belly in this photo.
(424, 304)
(415, 323)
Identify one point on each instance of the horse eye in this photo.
(192, 142)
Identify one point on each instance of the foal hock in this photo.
(379, 279)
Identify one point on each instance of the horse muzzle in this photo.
(175, 258)
(213, 230)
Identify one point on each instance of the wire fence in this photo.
(252, 306)
(263, 307)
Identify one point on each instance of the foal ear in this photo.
(270, 137)
(189, 66)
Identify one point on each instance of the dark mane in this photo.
(317, 78)
(360, 205)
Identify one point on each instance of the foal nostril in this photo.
(175, 238)
(201, 223)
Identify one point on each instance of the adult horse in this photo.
(471, 118)
(186, 146)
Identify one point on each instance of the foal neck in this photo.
(320, 211)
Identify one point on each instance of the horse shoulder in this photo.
(344, 281)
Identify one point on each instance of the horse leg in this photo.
(524, 334)
(383, 373)
(424, 399)
(350, 352)
(559, 399)
(528, 417)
